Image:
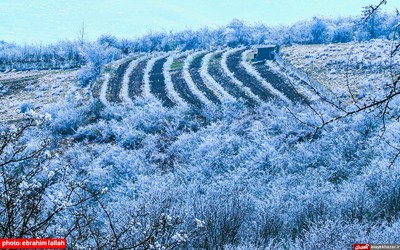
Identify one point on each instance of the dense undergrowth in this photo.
(228, 177)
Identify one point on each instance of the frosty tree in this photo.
(33, 194)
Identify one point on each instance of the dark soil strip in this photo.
(195, 74)
(157, 83)
(136, 80)
(218, 74)
(278, 83)
(18, 85)
(180, 85)
(25, 80)
(248, 80)
(115, 83)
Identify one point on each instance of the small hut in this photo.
(266, 52)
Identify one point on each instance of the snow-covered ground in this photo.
(35, 89)
(362, 65)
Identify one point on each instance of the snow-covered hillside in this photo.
(366, 67)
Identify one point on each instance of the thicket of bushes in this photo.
(232, 177)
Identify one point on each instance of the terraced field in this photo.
(194, 79)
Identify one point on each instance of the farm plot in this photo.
(124, 92)
(359, 66)
(187, 78)
(16, 85)
(115, 82)
(136, 80)
(278, 82)
(101, 88)
(194, 70)
(24, 90)
(180, 85)
(267, 85)
(190, 83)
(249, 81)
(210, 82)
(157, 83)
(217, 73)
(194, 78)
(169, 86)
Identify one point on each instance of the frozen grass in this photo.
(358, 66)
(45, 87)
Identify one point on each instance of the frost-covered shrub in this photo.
(133, 139)
(30, 88)
(97, 132)
(318, 31)
(337, 234)
(223, 218)
(343, 33)
(67, 117)
(108, 41)
(89, 134)
(88, 74)
(96, 56)
(387, 232)
(384, 186)
(25, 107)
(35, 192)
(63, 54)
(43, 87)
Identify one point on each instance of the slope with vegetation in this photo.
(249, 172)
(336, 66)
